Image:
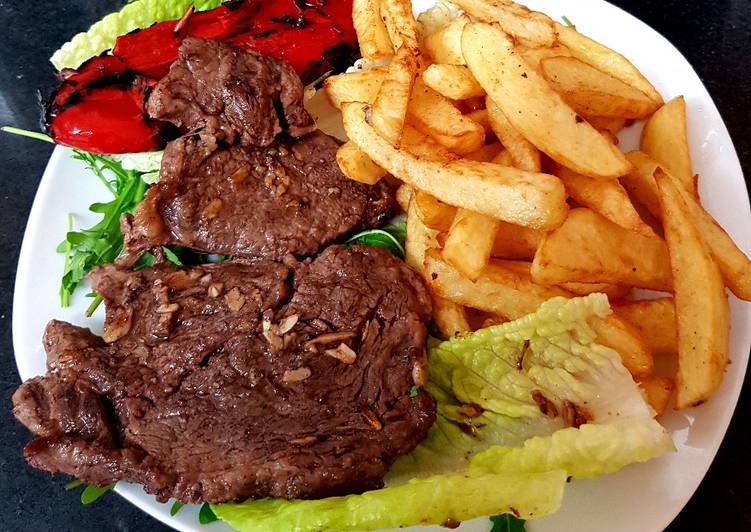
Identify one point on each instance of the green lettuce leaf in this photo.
(135, 15)
(510, 399)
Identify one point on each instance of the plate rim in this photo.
(133, 497)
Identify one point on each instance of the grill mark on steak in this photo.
(204, 413)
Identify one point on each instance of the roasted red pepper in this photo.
(100, 106)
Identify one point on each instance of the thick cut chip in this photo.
(664, 138)
(603, 58)
(590, 248)
(732, 261)
(452, 81)
(403, 196)
(606, 197)
(400, 24)
(371, 32)
(701, 305)
(390, 105)
(508, 290)
(433, 212)
(445, 45)
(655, 320)
(524, 198)
(658, 390)
(591, 92)
(515, 242)
(487, 153)
(481, 117)
(608, 123)
(356, 165)
(418, 240)
(529, 28)
(534, 108)
(449, 317)
(535, 55)
(360, 86)
(435, 115)
(469, 242)
(613, 291)
(522, 152)
(423, 146)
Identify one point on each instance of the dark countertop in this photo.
(712, 34)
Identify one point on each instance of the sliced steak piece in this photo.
(232, 93)
(252, 202)
(229, 381)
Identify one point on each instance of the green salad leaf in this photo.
(91, 494)
(176, 507)
(103, 242)
(134, 15)
(206, 515)
(506, 523)
(521, 407)
(389, 236)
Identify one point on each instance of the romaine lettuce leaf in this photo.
(507, 398)
(135, 15)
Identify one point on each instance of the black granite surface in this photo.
(714, 35)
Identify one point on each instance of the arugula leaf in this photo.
(176, 507)
(389, 236)
(146, 260)
(171, 256)
(507, 523)
(92, 494)
(206, 515)
(413, 392)
(103, 242)
(566, 21)
(73, 485)
(26, 133)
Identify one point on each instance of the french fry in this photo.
(417, 241)
(591, 92)
(734, 265)
(640, 182)
(590, 248)
(452, 81)
(658, 390)
(613, 291)
(504, 159)
(485, 154)
(515, 242)
(535, 55)
(525, 198)
(356, 165)
(511, 293)
(360, 86)
(390, 105)
(423, 146)
(435, 115)
(435, 19)
(607, 123)
(530, 28)
(445, 45)
(432, 212)
(469, 242)
(449, 317)
(481, 117)
(701, 305)
(603, 58)
(607, 198)
(534, 109)
(655, 320)
(522, 152)
(371, 32)
(664, 138)
(403, 196)
(400, 24)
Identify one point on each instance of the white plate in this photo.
(644, 497)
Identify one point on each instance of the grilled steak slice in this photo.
(232, 93)
(228, 381)
(252, 202)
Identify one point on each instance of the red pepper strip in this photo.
(302, 33)
(152, 50)
(103, 66)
